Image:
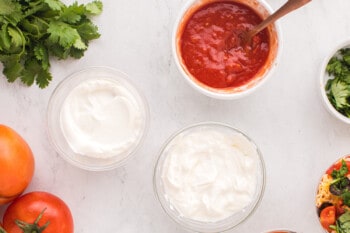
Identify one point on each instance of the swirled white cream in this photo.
(101, 118)
(210, 174)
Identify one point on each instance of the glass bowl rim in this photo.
(198, 226)
(63, 87)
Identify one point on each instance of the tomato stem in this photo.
(32, 228)
(2, 230)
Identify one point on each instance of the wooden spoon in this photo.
(246, 36)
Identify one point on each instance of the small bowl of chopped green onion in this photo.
(335, 82)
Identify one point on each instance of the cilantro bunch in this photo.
(338, 88)
(33, 30)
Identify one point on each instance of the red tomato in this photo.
(1, 229)
(28, 208)
(327, 217)
(17, 164)
(338, 164)
(340, 208)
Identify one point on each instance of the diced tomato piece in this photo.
(337, 166)
(339, 208)
(327, 217)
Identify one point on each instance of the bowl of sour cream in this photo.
(97, 118)
(209, 177)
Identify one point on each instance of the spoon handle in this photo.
(288, 7)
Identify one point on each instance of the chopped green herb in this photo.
(33, 30)
(343, 170)
(338, 88)
(346, 197)
(343, 223)
(340, 185)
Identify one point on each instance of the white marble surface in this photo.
(296, 135)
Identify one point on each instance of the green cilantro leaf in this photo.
(79, 44)
(338, 86)
(63, 34)
(17, 38)
(343, 223)
(94, 8)
(12, 69)
(334, 66)
(340, 91)
(340, 186)
(346, 197)
(58, 51)
(43, 78)
(33, 30)
(87, 30)
(5, 40)
(34, 71)
(41, 54)
(343, 170)
(76, 53)
(35, 27)
(7, 7)
(73, 13)
(54, 4)
(346, 58)
(11, 10)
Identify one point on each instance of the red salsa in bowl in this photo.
(210, 51)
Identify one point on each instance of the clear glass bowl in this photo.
(200, 226)
(56, 135)
(262, 8)
(280, 231)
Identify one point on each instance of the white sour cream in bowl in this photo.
(209, 177)
(97, 119)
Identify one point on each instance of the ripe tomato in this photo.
(17, 164)
(327, 217)
(28, 208)
(1, 229)
(337, 165)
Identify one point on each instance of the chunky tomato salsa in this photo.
(204, 45)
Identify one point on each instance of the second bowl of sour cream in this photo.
(97, 118)
(209, 177)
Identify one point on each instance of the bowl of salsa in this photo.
(210, 53)
(333, 197)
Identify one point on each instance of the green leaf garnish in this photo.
(338, 87)
(33, 30)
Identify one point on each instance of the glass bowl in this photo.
(234, 218)
(324, 77)
(262, 8)
(58, 137)
(280, 231)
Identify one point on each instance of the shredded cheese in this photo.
(323, 193)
